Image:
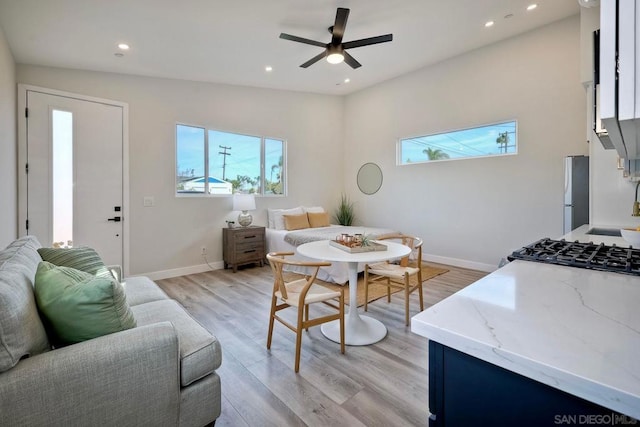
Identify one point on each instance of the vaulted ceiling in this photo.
(233, 41)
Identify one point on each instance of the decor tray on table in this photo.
(372, 246)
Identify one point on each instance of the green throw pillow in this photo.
(83, 259)
(79, 306)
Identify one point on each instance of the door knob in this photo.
(115, 219)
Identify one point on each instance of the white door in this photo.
(74, 173)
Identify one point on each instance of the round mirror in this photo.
(369, 178)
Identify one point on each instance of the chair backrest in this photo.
(414, 243)
(277, 261)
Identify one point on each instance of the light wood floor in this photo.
(384, 384)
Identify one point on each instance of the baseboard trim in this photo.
(219, 265)
(463, 263)
(183, 271)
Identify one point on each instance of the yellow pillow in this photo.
(295, 222)
(319, 219)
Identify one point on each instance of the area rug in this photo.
(376, 291)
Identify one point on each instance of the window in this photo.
(62, 177)
(235, 163)
(488, 140)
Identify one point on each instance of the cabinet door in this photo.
(628, 99)
(608, 74)
(466, 391)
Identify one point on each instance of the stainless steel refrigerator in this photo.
(576, 192)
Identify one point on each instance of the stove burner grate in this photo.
(584, 255)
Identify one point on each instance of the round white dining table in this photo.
(358, 330)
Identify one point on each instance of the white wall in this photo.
(169, 235)
(470, 212)
(8, 152)
(476, 210)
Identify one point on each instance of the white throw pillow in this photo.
(270, 215)
(314, 209)
(278, 218)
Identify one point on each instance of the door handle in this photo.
(115, 219)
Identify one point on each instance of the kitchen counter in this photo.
(580, 234)
(573, 329)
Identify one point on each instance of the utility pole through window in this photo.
(224, 160)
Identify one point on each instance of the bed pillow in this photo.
(314, 209)
(79, 306)
(278, 216)
(271, 213)
(320, 219)
(296, 222)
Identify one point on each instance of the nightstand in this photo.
(243, 245)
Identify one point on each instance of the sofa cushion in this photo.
(79, 306)
(82, 258)
(200, 352)
(141, 289)
(22, 333)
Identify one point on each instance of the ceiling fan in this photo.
(335, 51)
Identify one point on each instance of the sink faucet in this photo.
(636, 204)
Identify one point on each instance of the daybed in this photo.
(281, 239)
(159, 373)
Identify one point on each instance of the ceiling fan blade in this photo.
(367, 41)
(338, 28)
(351, 61)
(314, 59)
(302, 40)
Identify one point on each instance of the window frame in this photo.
(262, 167)
(400, 162)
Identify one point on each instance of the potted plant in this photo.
(344, 214)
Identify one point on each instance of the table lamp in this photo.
(244, 203)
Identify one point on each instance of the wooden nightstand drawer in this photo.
(249, 253)
(248, 236)
(243, 245)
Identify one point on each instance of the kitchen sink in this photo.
(597, 231)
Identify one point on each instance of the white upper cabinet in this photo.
(619, 101)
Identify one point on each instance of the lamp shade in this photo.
(244, 202)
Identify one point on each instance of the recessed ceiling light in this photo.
(123, 46)
(489, 24)
(347, 80)
(268, 68)
(532, 6)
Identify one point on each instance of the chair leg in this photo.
(342, 321)
(420, 296)
(406, 300)
(388, 290)
(306, 316)
(366, 289)
(298, 339)
(271, 321)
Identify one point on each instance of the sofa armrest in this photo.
(126, 378)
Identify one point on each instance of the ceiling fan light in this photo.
(335, 58)
(589, 3)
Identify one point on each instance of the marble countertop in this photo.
(580, 234)
(574, 329)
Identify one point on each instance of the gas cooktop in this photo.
(584, 255)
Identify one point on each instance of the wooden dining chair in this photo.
(301, 293)
(398, 275)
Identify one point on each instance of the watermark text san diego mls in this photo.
(595, 419)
